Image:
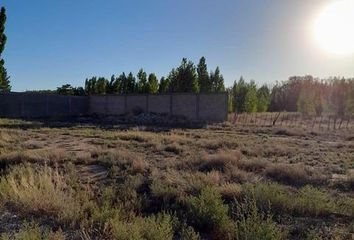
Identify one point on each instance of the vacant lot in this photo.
(216, 182)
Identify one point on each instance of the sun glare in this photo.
(334, 27)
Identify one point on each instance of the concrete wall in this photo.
(213, 107)
(31, 105)
(185, 105)
(195, 107)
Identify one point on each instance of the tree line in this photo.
(305, 94)
(314, 96)
(185, 78)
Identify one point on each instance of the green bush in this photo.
(208, 212)
(307, 201)
(31, 231)
(254, 224)
(159, 227)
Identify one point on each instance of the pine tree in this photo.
(187, 77)
(4, 78)
(173, 82)
(123, 83)
(203, 76)
(142, 81)
(217, 81)
(153, 84)
(164, 85)
(131, 85)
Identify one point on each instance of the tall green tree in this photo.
(164, 85)
(4, 78)
(153, 84)
(217, 81)
(239, 91)
(187, 79)
(110, 87)
(203, 76)
(142, 81)
(263, 97)
(251, 98)
(101, 86)
(90, 86)
(122, 83)
(131, 85)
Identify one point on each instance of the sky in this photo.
(51, 42)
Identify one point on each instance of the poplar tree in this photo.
(4, 78)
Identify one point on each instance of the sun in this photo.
(334, 27)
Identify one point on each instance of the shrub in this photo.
(208, 212)
(251, 223)
(188, 233)
(157, 227)
(174, 148)
(313, 202)
(308, 201)
(269, 195)
(220, 162)
(31, 231)
(293, 174)
(38, 190)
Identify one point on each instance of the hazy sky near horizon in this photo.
(51, 43)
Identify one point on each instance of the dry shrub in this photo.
(175, 184)
(230, 191)
(174, 148)
(134, 136)
(232, 165)
(139, 165)
(252, 151)
(220, 162)
(253, 165)
(234, 174)
(346, 182)
(39, 190)
(32, 144)
(218, 143)
(294, 174)
(288, 132)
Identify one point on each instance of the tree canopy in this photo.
(4, 78)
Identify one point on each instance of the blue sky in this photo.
(51, 42)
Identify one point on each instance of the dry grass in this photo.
(40, 191)
(294, 174)
(154, 184)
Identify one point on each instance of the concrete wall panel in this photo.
(185, 105)
(115, 105)
(213, 107)
(136, 101)
(97, 105)
(159, 104)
